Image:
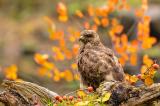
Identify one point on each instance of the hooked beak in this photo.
(81, 38)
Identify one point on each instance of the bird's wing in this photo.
(100, 62)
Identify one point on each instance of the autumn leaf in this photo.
(86, 25)
(133, 59)
(68, 75)
(79, 13)
(104, 98)
(11, 72)
(143, 69)
(75, 49)
(74, 66)
(81, 93)
(83, 103)
(40, 58)
(147, 61)
(42, 71)
(63, 18)
(97, 21)
(62, 11)
(133, 79)
(148, 81)
(104, 22)
(76, 76)
(90, 10)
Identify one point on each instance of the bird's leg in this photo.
(82, 86)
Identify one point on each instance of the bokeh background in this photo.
(26, 27)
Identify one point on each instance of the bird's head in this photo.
(89, 36)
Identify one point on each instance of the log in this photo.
(22, 93)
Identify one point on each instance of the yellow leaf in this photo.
(133, 79)
(76, 77)
(72, 39)
(74, 66)
(62, 74)
(79, 13)
(143, 69)
(147, 61)
(83, 103)
(48, 65)
(63, 18)
(81, 93)
(40, 58)
(104, 98)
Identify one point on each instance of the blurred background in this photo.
(27, 27)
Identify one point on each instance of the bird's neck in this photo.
(90, 45)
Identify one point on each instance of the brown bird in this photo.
(96, 63)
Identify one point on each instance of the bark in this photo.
(22, 93)
(122, 94)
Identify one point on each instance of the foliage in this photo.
(65, 48)
(84, 97)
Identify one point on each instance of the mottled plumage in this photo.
(96, 63)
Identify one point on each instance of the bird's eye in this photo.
(89, 35)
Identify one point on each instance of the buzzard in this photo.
(97, 63)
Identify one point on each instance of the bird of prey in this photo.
(97, 63)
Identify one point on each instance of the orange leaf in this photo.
(104, 22)
(133, 79)
(97, 21)
(48, 65)
(58, 55)
(86, 25)
(133, 59)
(79, 13)
(56, 78)
(61, 8)
(74, 66)
(143, 69)
(148, 81)
(42, 71)
(139, 13)
(124, 39)
(123, 59)
(68, 54)
(118, 29)
(75, 49)
(147, 61)
(63, 18)
(90, 10)
(94, 27)
(114, 22)
(11, 72)
(40, 58)
(68, 75)
(144, 5)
